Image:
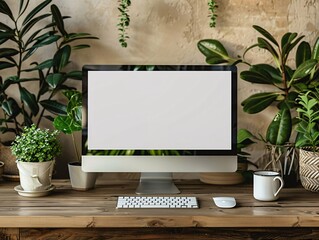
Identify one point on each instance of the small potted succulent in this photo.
(308, 139)
(35, 150)
(68, 124)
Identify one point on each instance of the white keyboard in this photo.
(156, 202)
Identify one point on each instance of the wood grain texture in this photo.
(170, 233)
(9, 234)
(66, 208)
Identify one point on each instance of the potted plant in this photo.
(35, 150)
(25, 33)
(69, 124)
(286, 81)
(308, 139)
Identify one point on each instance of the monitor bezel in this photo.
(111, 67)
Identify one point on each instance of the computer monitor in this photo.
(158, 120)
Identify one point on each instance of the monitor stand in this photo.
(156, 183)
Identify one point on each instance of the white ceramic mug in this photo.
(267, 185)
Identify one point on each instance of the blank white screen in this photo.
(159, 110)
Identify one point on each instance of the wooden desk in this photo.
(69, 214)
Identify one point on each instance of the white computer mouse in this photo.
(224, 202)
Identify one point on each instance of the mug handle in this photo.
(281, 184)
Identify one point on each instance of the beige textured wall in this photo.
(167, 31)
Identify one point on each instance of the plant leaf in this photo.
(11, 107)
(30, 24)
(315, 52)
(43, 85)
(291, 46)
(30, 100)
(46, 64)
(54, 79)
(41, 43)
(54, 106)
(4, 8)
(78, 38)
(66, 125)
(8, 52)
(304, 69)
(262, 73)
(36, 10)
(76, 75)
(264, 44)
(81, 46)
(4, 65)
(266, 34)
(286, 40)
(258, 102)
(46, 41)
(214, 50)
(58, 19)
(303, 53)
(279, 130)
(215, 60)
(61, 58)
(243, 135)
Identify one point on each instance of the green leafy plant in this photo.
(72, 121)
(22, 35)
(286, 81)
(308, 114)
(244, 140)
(212, 7)
(36, 145)
(124, 21)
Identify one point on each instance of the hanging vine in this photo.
(212, 12)
(124, 21)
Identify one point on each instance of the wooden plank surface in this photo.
(66, 208)
(171, 233)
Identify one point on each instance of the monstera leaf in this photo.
(72, 121)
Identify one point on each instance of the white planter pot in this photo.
(80, 180)
(35, 176)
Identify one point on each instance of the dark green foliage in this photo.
(212, 7)
(22, 34)
(124, 21)
(286, 81)
(279, 129)
(244, 139)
